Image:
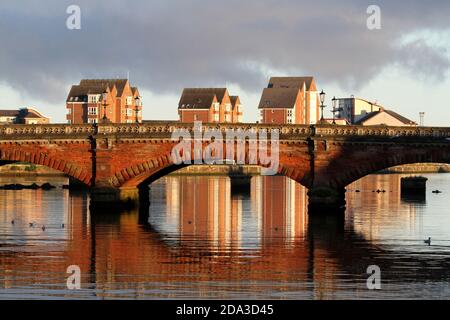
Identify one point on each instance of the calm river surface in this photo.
(203, 238)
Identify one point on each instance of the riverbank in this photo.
(419, 168)
(31, 170)
(219, 170)
(28, 170)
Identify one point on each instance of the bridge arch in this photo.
(59, 163)
(346, 176)
(149, 171)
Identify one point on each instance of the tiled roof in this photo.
(9, 113)
(291, 82)
(197, 101)
(78, 93)
(219, 92)
(110, 83)
(278, 98)
(22, 113)
(234, 100)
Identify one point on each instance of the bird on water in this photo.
(428, 242)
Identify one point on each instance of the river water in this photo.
(204, 237)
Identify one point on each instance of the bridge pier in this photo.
(326, 200)
(110, 198)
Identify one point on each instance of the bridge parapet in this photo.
(165, 129)
(47, 129)
(381, 131)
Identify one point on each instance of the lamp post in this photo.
(136, 107)
(322, 106)
(335, 109)
(105, 118)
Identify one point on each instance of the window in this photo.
(92, 111)
(69, 121)
(228, 118)
(216, 118)
(93, 98)
(92, 120)
(69, 110)
(129, 101)
(216, 107)
(129, 121)
(227, 107)
(129, 112)
(239, 118)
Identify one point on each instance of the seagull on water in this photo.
(428, 242)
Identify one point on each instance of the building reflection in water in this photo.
(388, 211)
(197, 239)
(203, 208)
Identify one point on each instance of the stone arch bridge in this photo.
(116, 160)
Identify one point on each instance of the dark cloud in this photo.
(167, 45)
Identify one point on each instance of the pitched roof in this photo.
(389, 112)
(95, 86)
(135, 91)
(22, 113)
(79, 93)
(235, 100)
(291, 82)
(219, 92)
(278, 98)
(9, 113)
(197, 101)
(31, 112)
(110, 83)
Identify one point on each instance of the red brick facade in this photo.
(92, 100)
(290, 100)
(212, 105)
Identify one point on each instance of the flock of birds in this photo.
(383, 191)
(33, 224)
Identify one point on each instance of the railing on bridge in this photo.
(166, 128)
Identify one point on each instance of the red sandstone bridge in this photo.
(115, 160)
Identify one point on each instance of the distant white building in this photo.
(363, 112)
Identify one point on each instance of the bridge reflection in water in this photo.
(200, 239)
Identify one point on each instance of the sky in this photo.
(166, 45)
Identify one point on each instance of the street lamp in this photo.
(136, 108)
(333, 101)
(104, 96)
(335, 109)
(322, 106)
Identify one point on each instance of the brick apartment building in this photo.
(210, 105)
(94, 99)
(290, 100)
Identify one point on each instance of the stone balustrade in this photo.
(166, 128)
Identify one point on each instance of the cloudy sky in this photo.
(166, 45)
